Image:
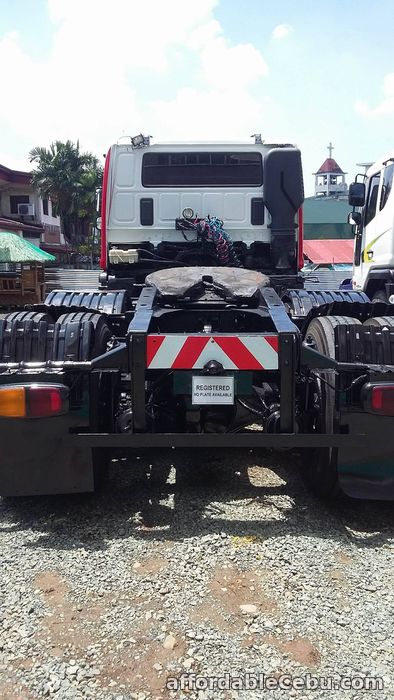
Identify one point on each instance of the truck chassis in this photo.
(94, 345)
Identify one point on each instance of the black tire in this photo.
(35, 316)
(379, 296)
(320, 468)
(102, 332)
(101, 456)
(380, 321)
(25, 336)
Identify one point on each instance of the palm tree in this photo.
(70, 178)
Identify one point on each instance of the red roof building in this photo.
(329, 166)
(326, 251)
(330, 178)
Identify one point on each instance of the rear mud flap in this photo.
(368, 472)
(36, 460)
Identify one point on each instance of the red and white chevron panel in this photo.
(194, 351)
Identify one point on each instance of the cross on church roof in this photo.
(330, 165)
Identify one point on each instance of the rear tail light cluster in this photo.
(378, 398)
(33, 400)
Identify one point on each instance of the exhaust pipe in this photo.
(283, 193)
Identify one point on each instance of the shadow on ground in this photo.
(137, 500)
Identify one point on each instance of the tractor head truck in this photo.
(200, 334)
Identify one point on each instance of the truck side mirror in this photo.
(354, 218)
(98, 200)
(357, 194)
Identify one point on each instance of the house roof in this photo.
(329, 166)
(56, 247)
(329, 250)
(16, 225)
(17, 177)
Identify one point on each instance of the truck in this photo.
(372, 197)
(199, 336)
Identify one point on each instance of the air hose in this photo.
(211, 229)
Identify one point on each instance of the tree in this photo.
(70, 178)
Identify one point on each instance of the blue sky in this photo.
(303, 72)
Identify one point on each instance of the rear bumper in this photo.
(365, 459)
(53, 456)
(216, 440)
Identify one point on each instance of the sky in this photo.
(302, 72)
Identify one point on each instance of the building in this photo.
(330, 179)
(24, 211)
(325, 214)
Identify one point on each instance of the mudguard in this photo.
(302, 301)
(37, 461)
(368, 472)
(107, 301)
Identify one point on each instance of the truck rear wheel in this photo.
(35, 316)
(101, 456)
(102, 332)
(320, 469)
(380, 321)
(25, 336)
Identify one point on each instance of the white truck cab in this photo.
(150, 187)
(254, 189)
(373, 197)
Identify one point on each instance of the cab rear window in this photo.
(202, 169)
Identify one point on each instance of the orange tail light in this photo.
(13, 402)
(33, 400)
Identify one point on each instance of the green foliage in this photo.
(90, 248)
(70, 178)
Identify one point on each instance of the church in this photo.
(325, 213)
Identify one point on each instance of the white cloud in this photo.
(225, 115)
(385, 108)
(11, 161)
(92, 85)
(228, 67)
(281, 31)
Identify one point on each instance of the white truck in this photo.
(200, 334)
(373, 195)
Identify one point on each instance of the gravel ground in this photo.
(113, 595)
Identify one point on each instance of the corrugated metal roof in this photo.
(325, 279)
(329, 251)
